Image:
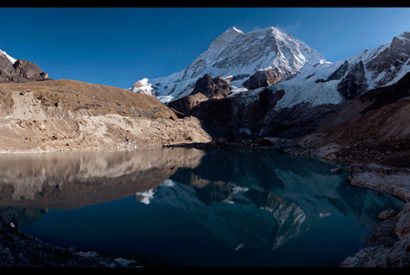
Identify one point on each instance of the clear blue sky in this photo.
(116, 46)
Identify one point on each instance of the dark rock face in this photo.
(6, 68)
(212, 87)
(256, 112)
(239, 76)
(299, 120)
(383, 234)
(28, 70)
(20, 71)
(217, 115)
(263, 79)
(232, 117)
(205, 88)
(185, 104)
(354, 83)
(340, 72)
(386, 95)
(391, 60)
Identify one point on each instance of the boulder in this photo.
(185, 104)
(402, 227)
(354, 83)
(263, 78)
(20, 71)
(28, 70)
(386, 214)
(212, 88)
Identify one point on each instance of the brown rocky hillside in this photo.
(55, 115)
(376, 125)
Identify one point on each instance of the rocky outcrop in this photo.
(28, 70)
(297, 121)
(237, 118)
(205, 88)
(354, 83)
(239, 77)
(212, 88)
(217, 116)
(391, 60)
(263, 78)
(388, 246)
(394, 181)
(378, 98)
(20, 71)
(340, 72)
(7, 70)
(185, 104)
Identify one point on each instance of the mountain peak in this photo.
(224, 39)
(404, 35)
(275, 32)
(237, 53)
(236, 30)
(12, 60)
(229, 34)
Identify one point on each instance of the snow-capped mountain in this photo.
(236, 54)
(304, 75)
(278, 86)
(367, 70)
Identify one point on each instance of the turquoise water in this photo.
(187, 207)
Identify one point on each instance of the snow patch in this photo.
(144, 87)
(12, 60)
(313, 93)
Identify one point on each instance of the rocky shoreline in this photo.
(18, 249)
(388, 245)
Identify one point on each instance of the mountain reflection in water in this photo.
(242, 198)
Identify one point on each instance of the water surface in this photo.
(188, 207)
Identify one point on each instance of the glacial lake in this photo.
(187, 207)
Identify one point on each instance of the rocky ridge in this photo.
(12, 70)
